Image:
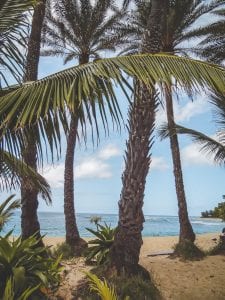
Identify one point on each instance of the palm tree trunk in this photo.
(72, 233)
(29, 196)
(125, 251)
(186, 230)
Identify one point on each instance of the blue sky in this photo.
(98, 169)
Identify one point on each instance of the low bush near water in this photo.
(25, 268)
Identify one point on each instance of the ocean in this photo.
(52, 224)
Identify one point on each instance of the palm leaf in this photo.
(77, 86)
(13, 37)
(13, 169)
(209, 146)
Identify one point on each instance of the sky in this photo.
(98, 169)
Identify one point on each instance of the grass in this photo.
(188, 251)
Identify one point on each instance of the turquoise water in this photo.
(52, 224)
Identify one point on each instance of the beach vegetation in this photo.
(187, 250)
(98, 249)
(217, 212)
(25, 263)
(121, 287)
(64, 250)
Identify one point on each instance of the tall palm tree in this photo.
(179, 18)
(80, 30)
(29, 194)
(128, 239)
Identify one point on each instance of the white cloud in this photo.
(158, 163)
(94, 166)
(109, 151)
(191, 155)
(184, 113)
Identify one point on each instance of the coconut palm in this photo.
(180, 17)
(29, 194)
(80, 30)
(13, 20)
(125, 250)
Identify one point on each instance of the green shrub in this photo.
(117, 287)
(188, 251)
(64, 250)
(26, 264)
(100, 246)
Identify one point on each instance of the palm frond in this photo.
(209, 146)
(79, 87)
(13, 37)
(12, 170)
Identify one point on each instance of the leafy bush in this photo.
(101, 287)
(64, 250)
(101, 245)
(27, 266)
(117, 288)
(188, 251)
(10, 294)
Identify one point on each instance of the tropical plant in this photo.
(26, 264)
(13, 37)
(124, 253)
(80, 30)
(101, 287)
(9, 292)
(99, 248)
(29, 194)
(6, 210)
(179, 18)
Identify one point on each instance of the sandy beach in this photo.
(176, 280)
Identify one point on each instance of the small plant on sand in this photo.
(116, 288)
(64, 250)
(188, 251)
(99, 248)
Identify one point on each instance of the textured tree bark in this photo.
(186, 230)
(125, 251)
(72, 233)
(29, 196)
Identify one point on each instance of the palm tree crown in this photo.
(81, 30)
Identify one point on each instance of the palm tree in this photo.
(29, 194)
(128, 239)
(13, 31)
(180, 16)
(80, 30)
